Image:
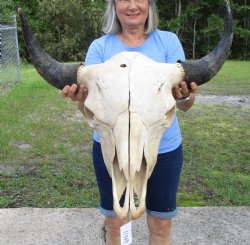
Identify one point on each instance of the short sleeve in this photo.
(94, 54)
(174, 50)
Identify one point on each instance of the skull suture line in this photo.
(130, 104)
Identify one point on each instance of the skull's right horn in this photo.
(202, 70)
(54, 72)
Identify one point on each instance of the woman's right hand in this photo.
(72, 93)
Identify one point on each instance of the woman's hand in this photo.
(185, 97)
(75, 92)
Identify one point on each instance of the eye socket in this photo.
(169, 115)
(88, 113)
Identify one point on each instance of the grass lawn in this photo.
(232, 79)
(45, 146)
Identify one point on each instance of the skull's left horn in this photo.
(201, 71)
(54, 72)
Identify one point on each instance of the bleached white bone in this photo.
(130, 105)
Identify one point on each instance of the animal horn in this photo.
(202, 70)
(54, 72)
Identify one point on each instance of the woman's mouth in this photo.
(132, 15)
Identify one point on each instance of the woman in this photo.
(131, 25)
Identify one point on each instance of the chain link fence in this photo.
(9, 52)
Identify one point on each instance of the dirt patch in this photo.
(7, 169)
(240, 101)
(29, 169)
(77, 117)
(4, 88)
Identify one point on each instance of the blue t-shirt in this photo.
(161, 46)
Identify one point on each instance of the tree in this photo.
(69, 29)
(64, 28)
(241, 48)
(199, 25)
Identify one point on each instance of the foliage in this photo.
(208, 16)
(62, 31)
(241, 47)
(67, 36)
(66, 28)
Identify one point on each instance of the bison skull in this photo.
(130, 115)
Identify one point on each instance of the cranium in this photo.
(130, 104)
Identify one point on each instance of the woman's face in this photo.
(132, 13)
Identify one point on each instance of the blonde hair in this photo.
(111, 24)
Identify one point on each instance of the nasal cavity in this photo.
(123, 65)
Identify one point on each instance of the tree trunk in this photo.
(178, 10)
(194, 38)
(246, 26)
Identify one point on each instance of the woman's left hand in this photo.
(181, 92)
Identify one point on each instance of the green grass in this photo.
(232, 79)
(45, 147)
(217, 155)
(9, 74)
